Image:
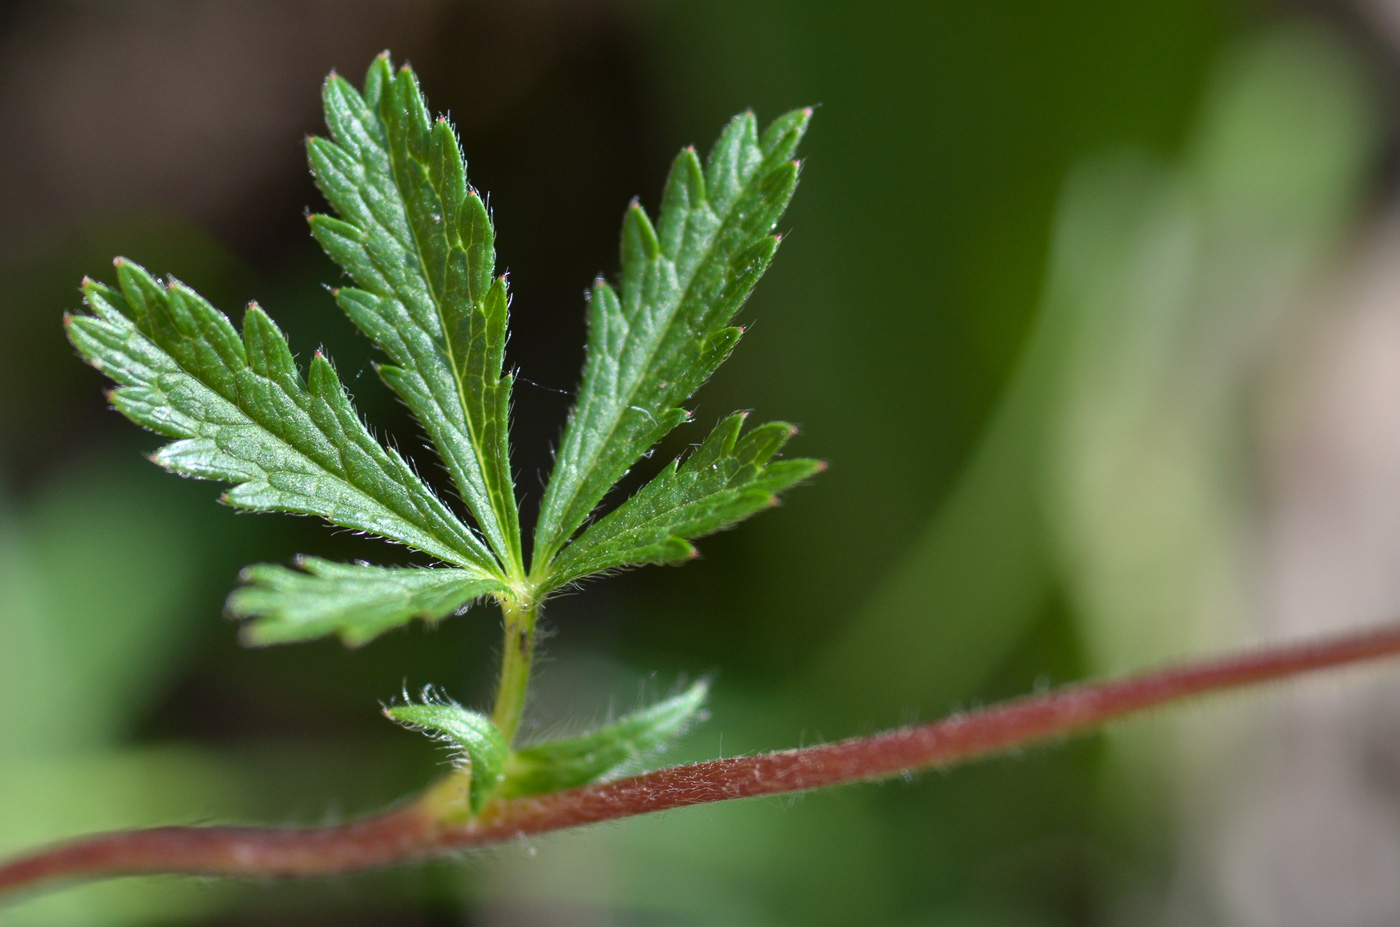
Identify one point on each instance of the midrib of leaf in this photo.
(724, 481)
(649, 358)
(558, 521)
(448, 551)
(373, 188)
(502, 497)
(312, 447)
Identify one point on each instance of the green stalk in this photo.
(518, 652)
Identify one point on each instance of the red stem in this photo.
(409, 832)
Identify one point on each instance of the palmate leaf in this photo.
(355, 601)
(722, 482)
(419, 242)
(242, 413)
(659, 336)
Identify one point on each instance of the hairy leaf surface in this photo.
(611, 750)
(355, 601)
(417, 239)
(724, 481)
(657, 337)
(479, 743)
(243, 414)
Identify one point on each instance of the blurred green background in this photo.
(1086, 305)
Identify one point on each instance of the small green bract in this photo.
(417, 240)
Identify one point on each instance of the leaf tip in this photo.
(118, 261)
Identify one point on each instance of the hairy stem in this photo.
(518, 652)
(414, 831)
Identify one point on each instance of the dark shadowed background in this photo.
(1093, 308)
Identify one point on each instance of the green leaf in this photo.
(418, 240)
(653, 341)
(243, 414)
(478, 742)
(607, 752)
(724, 481)
(356, 601)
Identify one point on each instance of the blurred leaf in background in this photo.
(1175, 285)
(1175, 288)
(98, 573)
